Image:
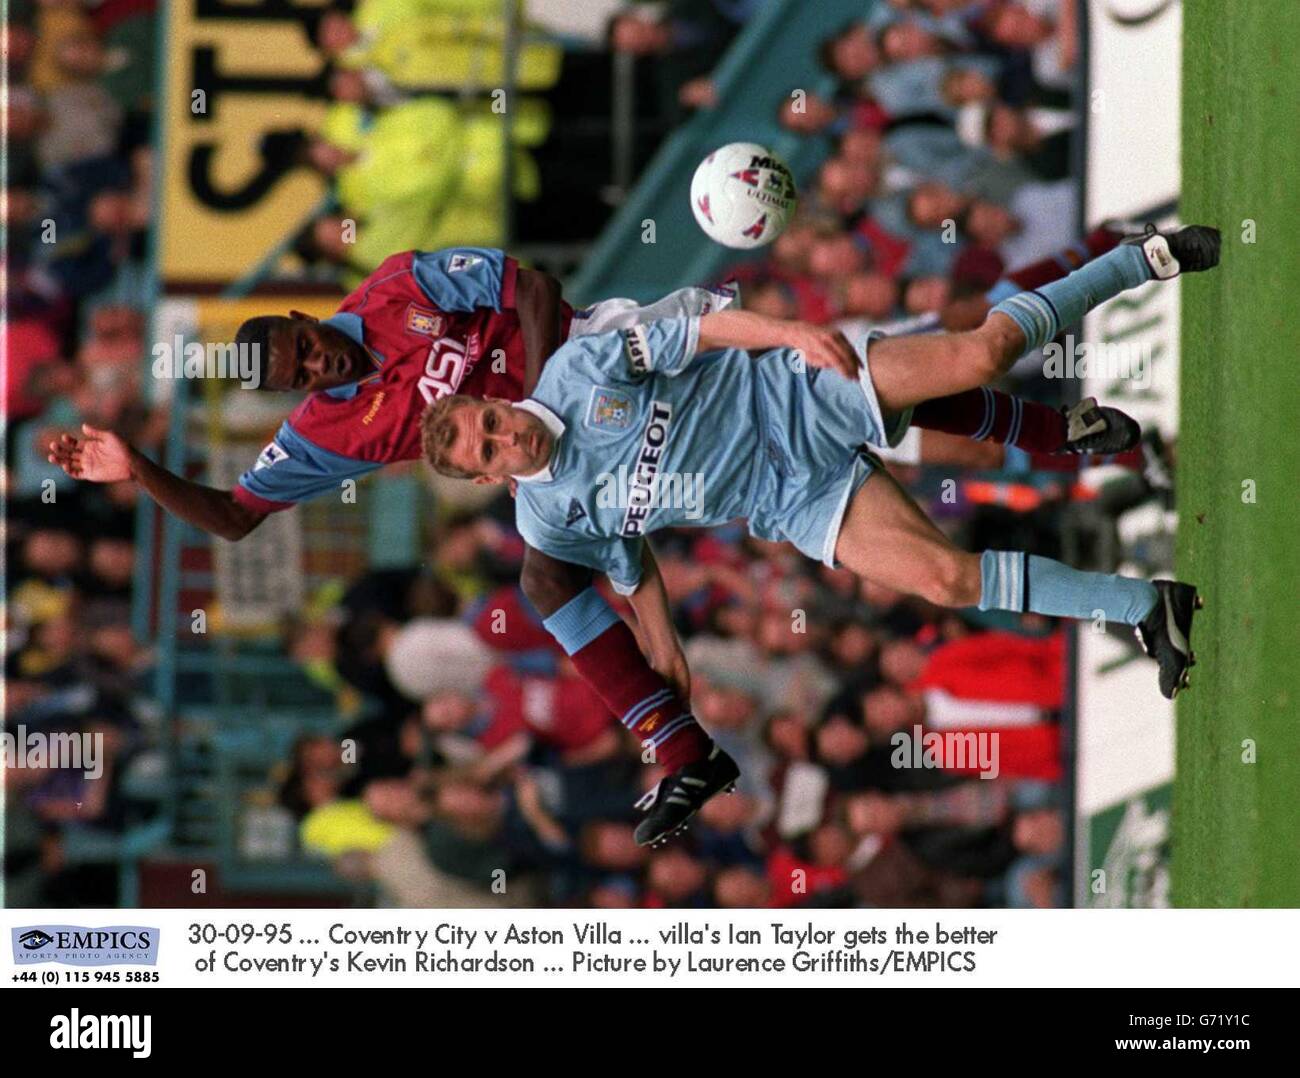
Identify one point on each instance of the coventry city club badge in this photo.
(609, 410)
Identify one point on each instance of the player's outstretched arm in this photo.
(821, 346)
(100, 456)
(537, 302)
(653, 615)
(549, 583)
(607, 656)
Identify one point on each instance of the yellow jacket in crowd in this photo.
(446, 45)
(429, 174)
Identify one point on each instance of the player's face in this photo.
(309, 355)
(495, 441)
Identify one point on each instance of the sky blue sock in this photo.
(1014, 580)
(1043, 312)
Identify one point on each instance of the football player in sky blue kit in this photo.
(670, 425)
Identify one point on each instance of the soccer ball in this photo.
(742, 195)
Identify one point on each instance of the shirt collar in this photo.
(351, 325)
(555, 425)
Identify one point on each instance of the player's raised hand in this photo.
(828, 349)
(99, 455)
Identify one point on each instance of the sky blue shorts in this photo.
(816, 430)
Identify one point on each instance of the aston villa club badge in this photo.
(422, 320)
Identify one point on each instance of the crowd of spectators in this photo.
(950, 161)
(77, 206)
(412, 142)
(491, 761)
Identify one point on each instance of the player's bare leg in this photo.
(886, 538)
(908, 370)
(954, 451)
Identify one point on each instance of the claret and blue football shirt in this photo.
(434, 323)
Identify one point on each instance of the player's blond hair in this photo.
(438, 435)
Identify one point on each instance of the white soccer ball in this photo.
(743, 195)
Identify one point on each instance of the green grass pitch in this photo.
(1236, 837)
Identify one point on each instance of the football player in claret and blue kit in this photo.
(423, 325)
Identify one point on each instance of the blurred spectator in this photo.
(426, 46)
(684, 40)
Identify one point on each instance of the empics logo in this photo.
(34, 939)
(76, 945)
(113, 1031)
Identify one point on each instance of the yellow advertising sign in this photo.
(244, 77)
(217, 319)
